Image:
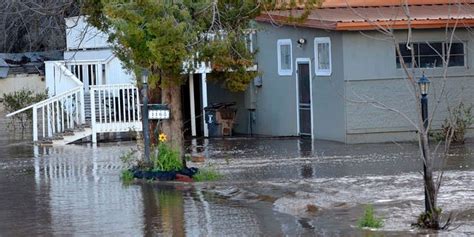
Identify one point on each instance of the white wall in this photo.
(85, 42)
(80, 35)
(58, 80)
(117, 74)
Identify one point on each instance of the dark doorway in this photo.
(304, 98)
(186, 107)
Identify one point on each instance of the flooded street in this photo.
(272, 187)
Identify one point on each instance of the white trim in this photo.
(192, 105)
(301, 61)
(204, 102)
(284, 72)
(322, 72)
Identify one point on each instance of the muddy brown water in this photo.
(272, 187)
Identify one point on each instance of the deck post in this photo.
(93, 119)
(35, 124)
(192, 105)
(204, 102)
(83, 114)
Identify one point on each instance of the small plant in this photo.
(369, 220)
(425, 219)
(167, 158)
(461, 119)
(207, 174)
(126, 176)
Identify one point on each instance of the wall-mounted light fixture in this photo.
(301, 42)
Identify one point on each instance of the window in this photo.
(285, 61)
(430, 55)
(322, 55)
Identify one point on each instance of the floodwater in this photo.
(272, 187)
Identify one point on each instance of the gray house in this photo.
(319, 76)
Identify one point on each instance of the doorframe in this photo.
(302, 61)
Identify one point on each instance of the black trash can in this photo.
(211, 121)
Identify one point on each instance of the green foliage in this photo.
(207, 174)
(161, 35)
(167, 158)
(126, 176)
(460, 120)
(18, 100)
(369, 219)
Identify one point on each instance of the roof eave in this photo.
(310, 23)
(404, 24)
(368, 25)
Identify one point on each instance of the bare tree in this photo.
(429, 155)
(31, 25)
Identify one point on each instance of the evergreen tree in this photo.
(169, 38)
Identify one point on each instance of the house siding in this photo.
(370, 72)
(276, 106)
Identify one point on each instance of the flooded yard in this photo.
(272, 187)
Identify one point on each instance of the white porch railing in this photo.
(60, 79)
(57, 114)
(114, 108)
(90, 72)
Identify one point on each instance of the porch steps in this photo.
(87, 107)
(68, 136)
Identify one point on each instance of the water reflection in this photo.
(84, 193)
(76, 190)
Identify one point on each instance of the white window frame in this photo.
(322, 72)
(284, 72)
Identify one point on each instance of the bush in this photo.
(207, 174)
(369, 220)
(167, 159)
(425, 220)
(18, 100)
(461, 120)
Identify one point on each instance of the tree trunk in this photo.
(431, 217)
(173, 127)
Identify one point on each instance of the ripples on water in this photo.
(76, 189)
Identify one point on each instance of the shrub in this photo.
(167, 158)
(461, 120)
(425, 219)
(18, 100)
(207, 174)
(369, 220)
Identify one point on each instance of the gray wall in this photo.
(276, 106)
(371, 74)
